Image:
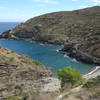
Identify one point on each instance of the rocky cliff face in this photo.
(80, 29)
(19, 74)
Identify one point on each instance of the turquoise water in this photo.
(46, 54)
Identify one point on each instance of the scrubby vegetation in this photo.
(36, 62)
(13, 98)
(19, 74)
(92, 83)
(68, 76)
(79, 30)
(89, 91)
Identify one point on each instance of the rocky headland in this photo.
(78, 30)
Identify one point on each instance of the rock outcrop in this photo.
(79, 30)
(20, 74)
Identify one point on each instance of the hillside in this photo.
(78, 30)
(19, 74)
(89, 91)
(22, 78)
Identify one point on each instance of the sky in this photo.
(22, 10)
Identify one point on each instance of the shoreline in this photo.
(70, 54)
(54, 83)
(93, 74)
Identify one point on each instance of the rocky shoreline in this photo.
(21, 75)
(70, 50)
(73, 52)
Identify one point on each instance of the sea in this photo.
(49, 55)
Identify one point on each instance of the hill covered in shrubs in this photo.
(78, 30)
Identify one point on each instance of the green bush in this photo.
(92, 83)
(18, 87)
(11, 59)
(69, 75)
(36, 62)
(13, 98)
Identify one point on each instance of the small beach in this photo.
(93, 74)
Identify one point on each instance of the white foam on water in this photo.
(41, 44)
(57, 50)
(66, 56)
(74, 60)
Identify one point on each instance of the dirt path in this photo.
(52, 85)
(74, 90)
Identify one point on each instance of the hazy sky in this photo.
(21, 10)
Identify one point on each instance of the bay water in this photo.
(46, 54)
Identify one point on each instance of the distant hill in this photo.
(78, 30)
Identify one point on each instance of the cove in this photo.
(46, 54)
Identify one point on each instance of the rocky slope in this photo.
(19, 74)
(22, 78)
(89, 91)
(78, 30)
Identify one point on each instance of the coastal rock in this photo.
(75, 51)
(78, 30)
